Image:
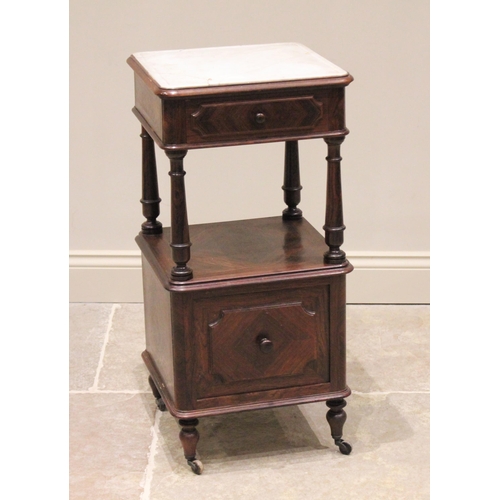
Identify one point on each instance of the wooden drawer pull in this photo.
(265, 344)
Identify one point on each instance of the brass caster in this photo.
(161, 405)
(344, 447)
(196, 466)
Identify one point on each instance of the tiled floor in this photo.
(122, 448)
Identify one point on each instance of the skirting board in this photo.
(378, 277)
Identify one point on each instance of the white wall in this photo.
(383, 44)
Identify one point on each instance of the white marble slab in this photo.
(194, 68)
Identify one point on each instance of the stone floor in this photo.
(122, 447)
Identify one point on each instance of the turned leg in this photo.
(336, 417)
(189, 437)
(291, 181)
(156, 393)
(179, 238)
(334, 223)
(150, 198)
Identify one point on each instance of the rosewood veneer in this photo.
(248, 314)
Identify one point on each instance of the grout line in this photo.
(139, 391)
(382, 393)
(147, 478)
(105, 344)
(108, 391)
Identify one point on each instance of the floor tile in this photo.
(280, 453)
(388, 348)
(110, 436)
(123, 367)
(88, 324)
(287, 453)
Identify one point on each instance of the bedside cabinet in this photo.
(250, 314)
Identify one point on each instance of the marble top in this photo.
(242, 64)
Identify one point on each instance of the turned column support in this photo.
(334, 219)
(150, 197)
(179, 236)
(291, 181)
(336, 418)
(189, 437)
(156, 393)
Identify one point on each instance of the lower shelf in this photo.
(223, 252)
(249, 346)
(260, 325)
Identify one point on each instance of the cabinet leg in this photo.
(156, 393)
(189, 437)
(336, 417)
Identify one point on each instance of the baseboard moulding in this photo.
(378, 277)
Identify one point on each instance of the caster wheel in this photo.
(345, 448)
(161, 405)
(196, 466)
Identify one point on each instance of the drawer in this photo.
(262, 341)
(190, 122)
(253, 118)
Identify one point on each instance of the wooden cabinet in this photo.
(249, 314)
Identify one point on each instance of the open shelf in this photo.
(241, 249)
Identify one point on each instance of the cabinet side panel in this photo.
(336, 106)
(149, 105)
(338, 333)
(174, 121)
(158, 326)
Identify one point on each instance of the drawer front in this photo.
(262, 341)
(210, 121)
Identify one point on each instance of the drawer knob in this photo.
(265, 344)
(260, 118)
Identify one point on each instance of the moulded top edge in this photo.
(236, 65)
